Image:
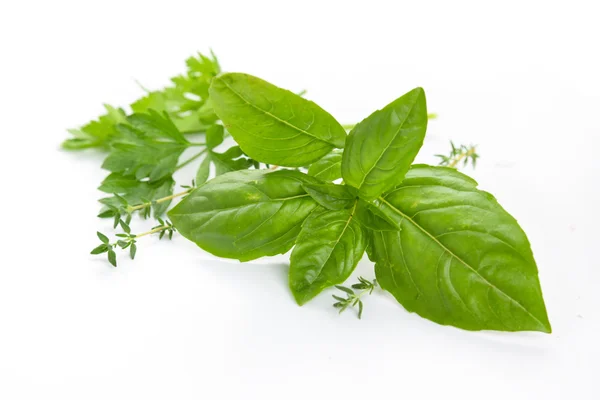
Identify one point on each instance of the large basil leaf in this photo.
(273, 125)
(328, 168)
(245, 214)
(459, 259)
(381, 148)
(327, 250)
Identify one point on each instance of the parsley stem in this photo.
(196, 144)
(183, 164)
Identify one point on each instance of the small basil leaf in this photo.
(460, 258)
(381, 148)
(327, 250)
(328, 168)
(273, 125)
(203, 171)
(369, 217)
(330, 196)
(245, 214)
(214, 136)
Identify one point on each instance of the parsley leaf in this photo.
(184, 100)
(146, 151)
(96, 133)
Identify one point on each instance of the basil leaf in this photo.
(370, 218)
(460, 258)
(245, 214)
(327, 250)
(330, 196)
(273, 125)
(328, 168)
(214, 136)
(382, 147)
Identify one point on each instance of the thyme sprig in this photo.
(353, 299)
(128, 240)
(462, 153)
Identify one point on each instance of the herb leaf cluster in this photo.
(296, 180)
(445, 249)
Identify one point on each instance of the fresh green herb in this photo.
(462, 153)
(354, 299)
(128, 240)
(294, 132)
(445, 249)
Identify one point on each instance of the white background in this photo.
(519, 78)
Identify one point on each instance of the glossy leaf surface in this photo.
(330, 196)
(328, 168)
(381, 148)
(245, 214)
(460, 259)
(327, 250)
(371, 218)
(273, 125)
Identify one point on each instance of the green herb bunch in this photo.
(443, 248)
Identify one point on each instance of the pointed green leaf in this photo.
(132, 250)
(157, 125)
(125, 226)
(102, 237)
(460, 258)
(214, 136)
(382, 147)
(345, 289)
(100, 249)
(245, 214)
(328, 168)
(112, 257)
(274, 125)
(327, 250)
(330, 196)
(370, 218)
(203, 171)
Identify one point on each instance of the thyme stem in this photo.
(158, 201)
(461, 156)
(152, 231)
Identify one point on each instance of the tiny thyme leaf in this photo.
(102, 237)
